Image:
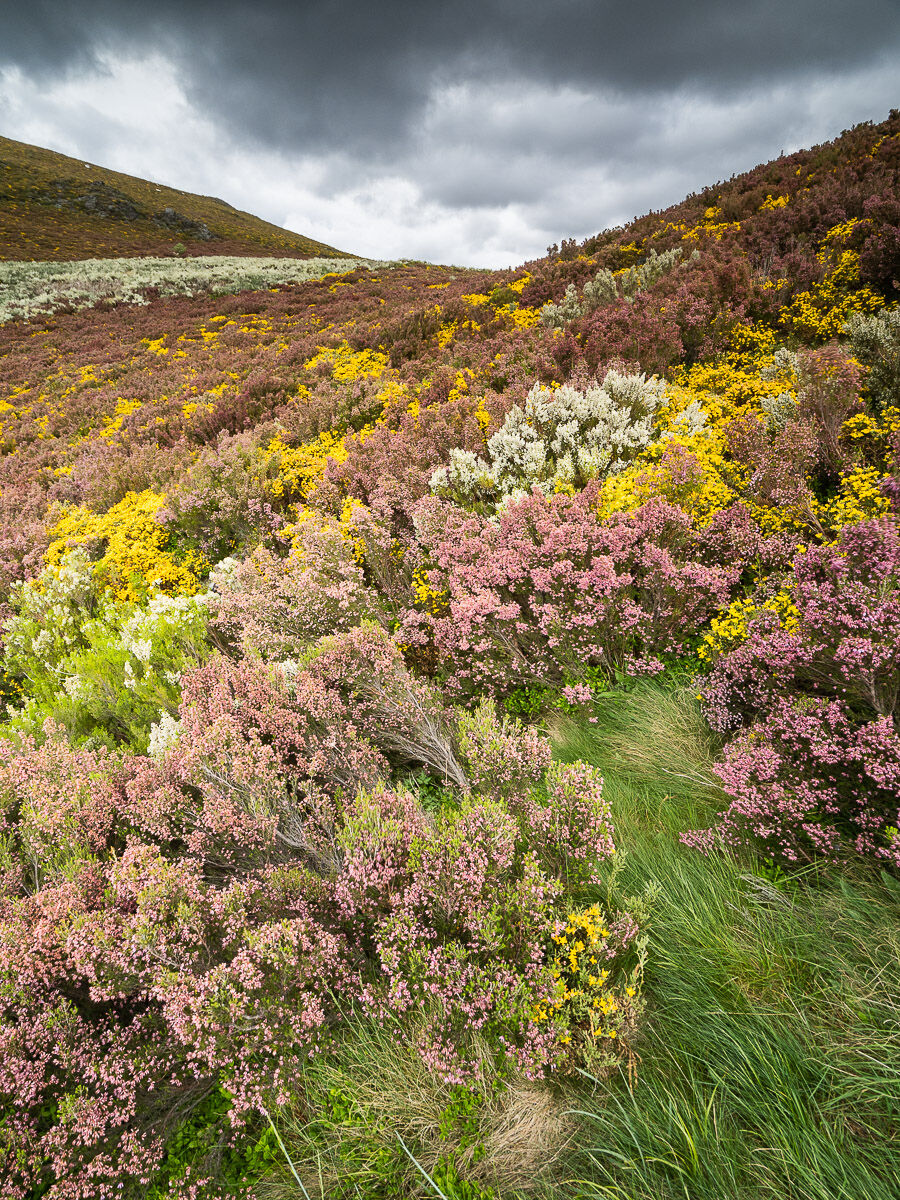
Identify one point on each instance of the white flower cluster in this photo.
(30, 288)
(561, 439)
(782, 366)
(779, 410)
(163, 619)
(606, 287)
(163, 735)
(875, 342)
(51, 611)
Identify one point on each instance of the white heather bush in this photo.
(103, 670)
(875, 342)
(30, 288)
(606, 287)
(779, 410)
(560, 440)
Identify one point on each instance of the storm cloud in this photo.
(473, 132)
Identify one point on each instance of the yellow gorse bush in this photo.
(732, 627)
(133, 543)
(587, 1009)
(348, 365)
(292, 472)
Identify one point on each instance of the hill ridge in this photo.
(56, 207)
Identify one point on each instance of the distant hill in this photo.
(53, 207)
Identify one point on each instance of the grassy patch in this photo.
(770, 1062)
(365, 1108)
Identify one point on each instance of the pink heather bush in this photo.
(390, 469)
(503, 756)
(817, 761)
(460, 920)
(570, 827)
(400, 714)
(846, 643)
(277, 607)
(204, 918)
(805, 777)
(301, 726)
(545, 590)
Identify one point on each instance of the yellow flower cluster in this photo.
(821, 313)
(873, 432)
(859, 498)
(292, 472)
(124, 408)
(731, 628)
(348, 364)
(134, 543)
(586, 1007)
(522, 318)
(710, 226)
(433, 600)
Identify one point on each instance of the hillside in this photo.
(62, 209)
(451, 737)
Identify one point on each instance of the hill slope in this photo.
(295, 582)
(59, 208)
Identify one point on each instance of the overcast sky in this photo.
(474, 132)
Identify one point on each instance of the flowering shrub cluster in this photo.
(811, 684)
(547, 589)
(558, 441)
(256, 547)
(607, 286)
(200, 918)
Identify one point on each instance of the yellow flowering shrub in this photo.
(591, 1009)
(731, 627)
(820, 314)
(433, 600)
(871, 435)
(859, 498)
(522, 318)
(134, 544)
(348, 364)
(298, 469)
(710, 226)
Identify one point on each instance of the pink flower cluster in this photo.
(547, 589)
(817, 760)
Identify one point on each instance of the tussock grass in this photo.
(770, 1061)
(342, 1133)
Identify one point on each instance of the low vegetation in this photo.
(450, 742)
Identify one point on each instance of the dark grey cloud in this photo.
(479, 130)
(316, 74)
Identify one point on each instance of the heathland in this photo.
(450, 740)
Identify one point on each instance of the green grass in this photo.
(770, 1060)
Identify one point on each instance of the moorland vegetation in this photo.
(451, 717)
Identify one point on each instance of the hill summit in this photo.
(53, 207)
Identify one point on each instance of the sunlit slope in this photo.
(56, 207)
